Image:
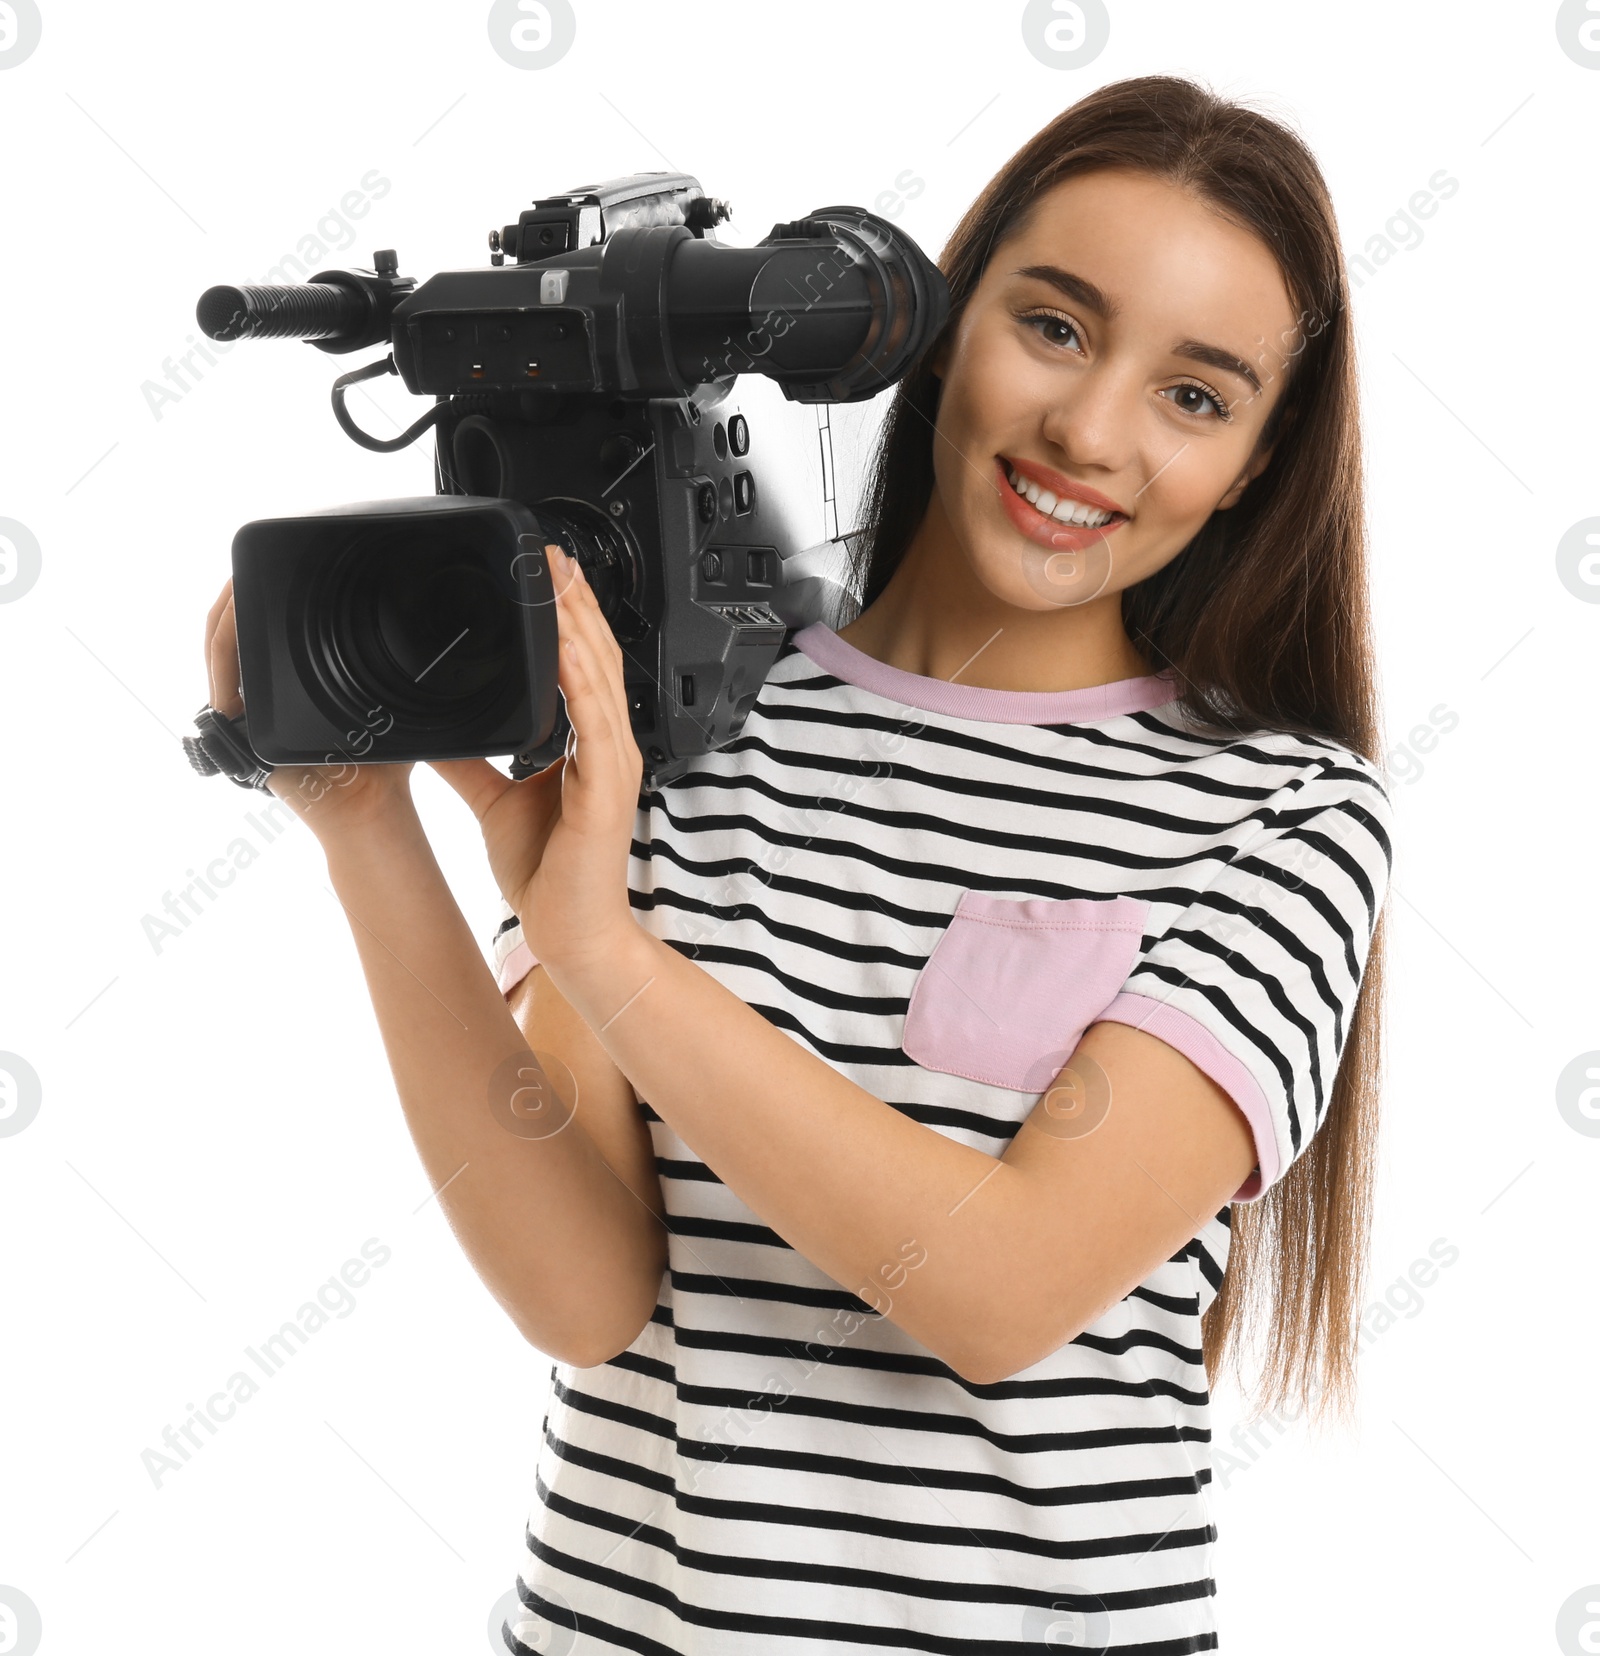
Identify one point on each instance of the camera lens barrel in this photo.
(608, 558)
(835, 307)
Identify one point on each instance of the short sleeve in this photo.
(1255, 981)
(512, 958)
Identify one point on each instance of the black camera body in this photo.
(586, 395)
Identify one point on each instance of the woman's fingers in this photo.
(222, 656)
(214, 614)
(603, 763)
(579, 615)
(584, 690)
(563, 569)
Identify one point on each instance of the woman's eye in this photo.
(1190, 397)
(1193, 398)
(1055, 330)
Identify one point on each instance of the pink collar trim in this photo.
(822, 645)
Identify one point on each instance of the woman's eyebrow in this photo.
(1092, 298)
(1079, 288)
(1215, 357)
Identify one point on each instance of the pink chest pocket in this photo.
(1013, 983)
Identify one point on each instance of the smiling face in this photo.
(1118, 360)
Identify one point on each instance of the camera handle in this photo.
(356, 434)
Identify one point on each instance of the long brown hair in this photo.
(1263, 617)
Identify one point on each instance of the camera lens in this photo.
(414, 623)
(605, 554)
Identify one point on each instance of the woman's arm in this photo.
(566, 1240)
(990, 1264)
(609, 1111)
(560, 1217)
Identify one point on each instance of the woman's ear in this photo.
(1258, 464)
(940, 360)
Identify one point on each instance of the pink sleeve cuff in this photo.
(1210, 1056)
(515, 967)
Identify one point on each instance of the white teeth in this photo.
(1063, 511)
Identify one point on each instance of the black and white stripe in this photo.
(772, 1466)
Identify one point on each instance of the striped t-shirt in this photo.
(936, 888)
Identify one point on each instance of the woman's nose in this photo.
(1095, 424)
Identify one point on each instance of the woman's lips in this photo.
(1046, 531)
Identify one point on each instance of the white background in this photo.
(219, 1130)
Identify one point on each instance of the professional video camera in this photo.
(585, 396)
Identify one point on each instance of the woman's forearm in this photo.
(557, 1237)
(907, 1219)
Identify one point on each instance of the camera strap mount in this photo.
(222, 747)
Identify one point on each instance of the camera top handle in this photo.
(833, 307)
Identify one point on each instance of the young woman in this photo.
(892, 1089)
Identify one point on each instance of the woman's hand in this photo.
(329, 799)
(558, 841)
